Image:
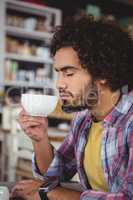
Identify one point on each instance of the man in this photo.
(94, 63)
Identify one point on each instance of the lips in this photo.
(64, 96)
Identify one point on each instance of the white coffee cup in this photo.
(38, 104)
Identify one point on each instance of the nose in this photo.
(61, 83)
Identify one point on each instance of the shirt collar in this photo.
(122, 108)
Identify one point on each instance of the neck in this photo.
(107, 101)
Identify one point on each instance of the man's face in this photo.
(76, 88)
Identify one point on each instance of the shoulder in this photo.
(79, 117)
(127, 120)
(129, 130)
(126, 125)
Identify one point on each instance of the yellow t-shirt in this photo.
(92, 158)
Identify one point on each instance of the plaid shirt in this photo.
(116, 154)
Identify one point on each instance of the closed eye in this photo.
(67, 70)
(69, 74)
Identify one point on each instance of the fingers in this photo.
(34, 133)
(28, 121)
(25, 187)
(34, 127)
(23, 118)
(30, 125)
(18, 190)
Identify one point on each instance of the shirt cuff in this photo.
(35, 169)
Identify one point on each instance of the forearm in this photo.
(43, 154)
(60, 193)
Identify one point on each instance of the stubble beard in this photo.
(87, 99)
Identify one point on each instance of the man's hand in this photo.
(60, 193)
(26, 189)
(34, 196)
(34, 127)
(37, 130)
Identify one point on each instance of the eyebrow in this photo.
(64, 68)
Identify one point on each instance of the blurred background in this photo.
(26, 65)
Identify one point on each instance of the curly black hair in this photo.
(104, 48)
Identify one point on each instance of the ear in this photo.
(101, 82)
